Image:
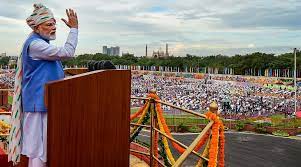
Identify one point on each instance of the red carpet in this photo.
(140, 148)
(3, 159)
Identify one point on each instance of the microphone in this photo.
(100, 65)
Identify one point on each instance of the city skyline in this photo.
(194, 27)
(111, 51)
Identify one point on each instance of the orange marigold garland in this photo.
(221, 158)
(213, 151)
(166, 129)
(217, 139)
(156, 137)
(139, 112)
(140, 119)
(156, 153)
(165, 142)
(179, 148)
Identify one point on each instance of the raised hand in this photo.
(72, 19)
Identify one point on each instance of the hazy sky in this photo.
(199, 27)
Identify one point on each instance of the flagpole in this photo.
(295, 78)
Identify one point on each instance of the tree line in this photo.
(240, 63)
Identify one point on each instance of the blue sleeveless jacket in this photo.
(36, 73)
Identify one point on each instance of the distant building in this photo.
(115, 51)
(3, 55)
(112, 51)
(160, 53)
(105, 50)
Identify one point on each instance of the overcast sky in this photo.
(199, 27)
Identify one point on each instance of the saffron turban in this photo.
(40, 15)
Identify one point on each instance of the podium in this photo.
(88, 119)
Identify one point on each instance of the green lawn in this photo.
(133, 110)
(10, 100)
(276, 120)
(291, 88)
(186, 119)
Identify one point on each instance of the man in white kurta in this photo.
(34, 142)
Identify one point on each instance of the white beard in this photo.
(52, 37)
(48, 37)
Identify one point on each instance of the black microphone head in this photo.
(100, 65)
(90, 65)
(94, 65)
(108, 65)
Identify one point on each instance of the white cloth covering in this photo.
(36, 162)
(34, 144)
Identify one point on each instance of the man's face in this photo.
(47, 29)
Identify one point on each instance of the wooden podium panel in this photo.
(88, 120)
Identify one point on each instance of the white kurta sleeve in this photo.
(41, 50)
